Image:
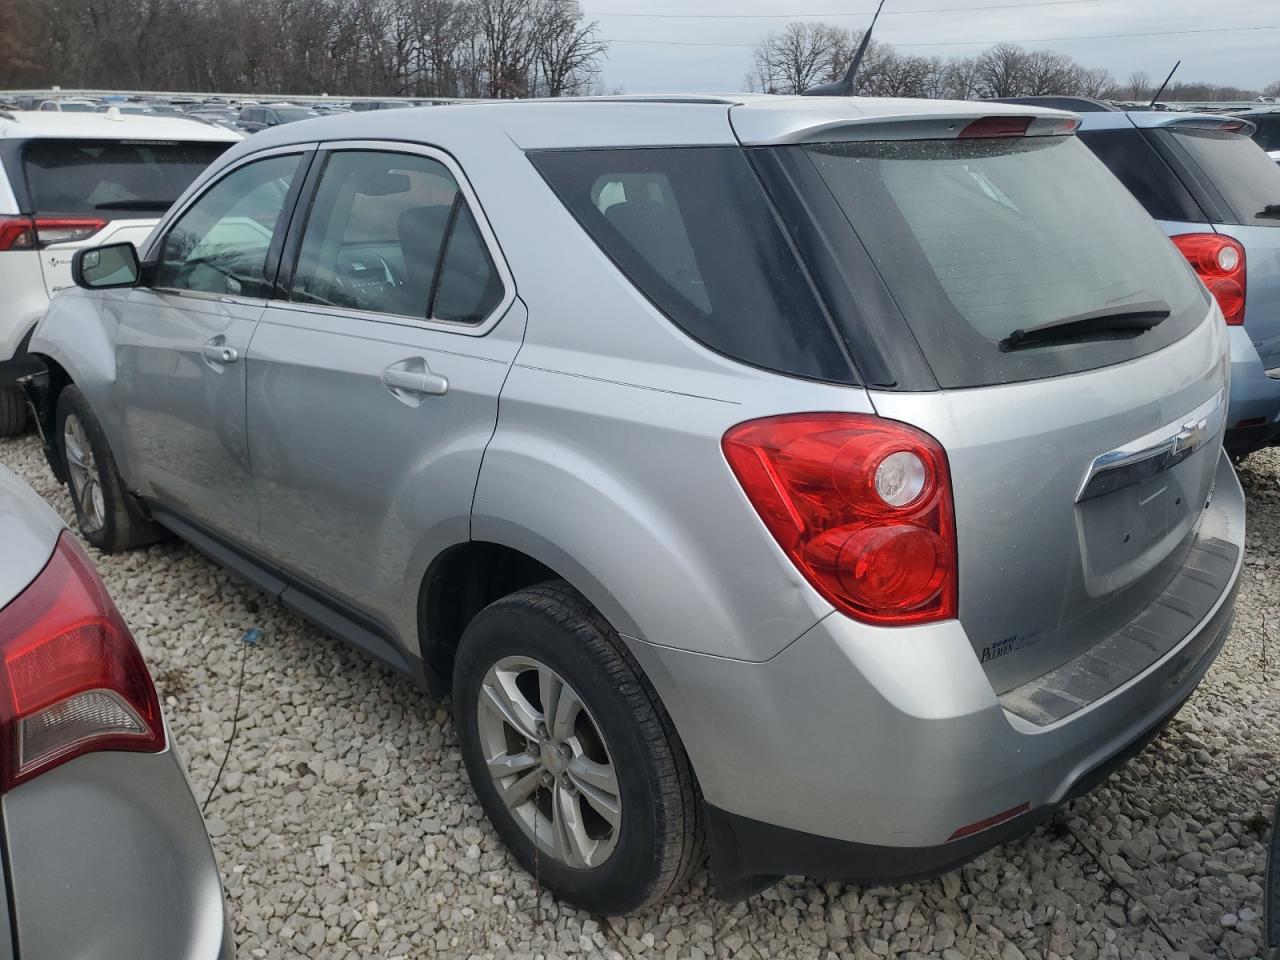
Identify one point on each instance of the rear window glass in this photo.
(692, 229)
(112, 178)
(979, 238)
(1242, 173)
(1135, 162)
(1267, 135)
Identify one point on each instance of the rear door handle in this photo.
(217, 351)
(419, 382)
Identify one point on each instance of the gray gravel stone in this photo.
(345, 827)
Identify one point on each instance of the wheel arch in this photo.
(466, 577)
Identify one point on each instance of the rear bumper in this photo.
(861, 753)
(108, 857)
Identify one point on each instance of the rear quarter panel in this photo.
(606, 463)
(1262, 297)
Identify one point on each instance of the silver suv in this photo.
(804, 476)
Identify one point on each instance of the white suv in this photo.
(75, 180)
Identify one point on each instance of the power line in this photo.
(963, 43)
(794, 16)
(1093, 36)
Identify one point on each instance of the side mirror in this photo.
(104, 268)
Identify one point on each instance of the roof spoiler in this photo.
(1217, 124)
(753, 129)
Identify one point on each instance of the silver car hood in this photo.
(29, 531)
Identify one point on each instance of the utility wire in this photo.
(795, 16)
(981, 43)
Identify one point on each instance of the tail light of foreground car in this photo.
(1219, 262)
(71, 678)
(33, 233)
(862, 506)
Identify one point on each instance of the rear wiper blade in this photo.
(1135, 318)
(134, 205)
(1271, 210)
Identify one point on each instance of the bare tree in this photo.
(795, 58)
(962, 78)
(1138, 85)
(1001, 71)
(568, 51)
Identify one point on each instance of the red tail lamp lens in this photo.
(65, 229)
(862, 506)
(71, 678)
(27, 233)
(1219, 262)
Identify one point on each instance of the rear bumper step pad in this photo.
(1167, 622)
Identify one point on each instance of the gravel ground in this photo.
(345, 827)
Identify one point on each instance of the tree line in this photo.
(414, 48)
(471, 48)
(804, 54)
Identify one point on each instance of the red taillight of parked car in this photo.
(861, 505)
(31, 233)
(1219, 262)
(71, 678)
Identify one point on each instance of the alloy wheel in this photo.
(549, 762)
(86, 484)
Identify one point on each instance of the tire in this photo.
(658, 838)
(108, 517)
(13, 412)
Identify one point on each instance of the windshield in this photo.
(1239, 169)
(290, 114)
(978, 238)
(112, 178)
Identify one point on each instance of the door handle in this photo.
(218, 352)
(421, 383)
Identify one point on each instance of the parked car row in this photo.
(680, 440)
(243, 115)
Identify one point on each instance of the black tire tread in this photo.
(13, 412)
(680, 848)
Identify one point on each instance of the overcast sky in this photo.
(1246, 58)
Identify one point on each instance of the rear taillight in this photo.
(861, 505)
(29, 233)
(17, 233)
(1219, 262)
(71, 678)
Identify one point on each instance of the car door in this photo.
(182, 340)
(373, 389)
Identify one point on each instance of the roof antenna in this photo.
(1152, 104)
(844, 86)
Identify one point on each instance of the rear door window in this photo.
(112, 179)
(392, 233)
(1139, 167)
(1237, 168)
(692, 229)
(978, 238)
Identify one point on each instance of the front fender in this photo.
(77, 333)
